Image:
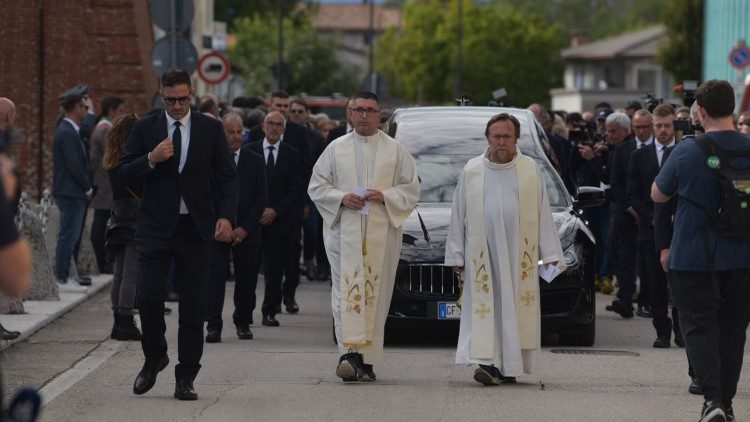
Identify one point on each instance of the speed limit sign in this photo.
(213, 68)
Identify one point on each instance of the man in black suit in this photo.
(72, 187)
(282, 217)
(245, 243)
(642, 170)
(296, 136)
(172, 157)
(624, 228)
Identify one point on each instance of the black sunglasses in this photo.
(173, 100)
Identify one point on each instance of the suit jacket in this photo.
(664, 216)
(294, 135)
(642, 170)
(336, 132)
(71, 173)
(253, 198)
(285, 189)
(618, 169)
(103, 198)
(162, 186)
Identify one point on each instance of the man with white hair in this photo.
(624, 228)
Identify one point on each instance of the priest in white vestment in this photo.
(365, 186)
(501, 227)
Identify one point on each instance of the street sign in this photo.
(739, 57)
(183, 14)
(213, 68)
(187, 56)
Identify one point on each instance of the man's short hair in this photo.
(174, 77)
(70, 102)
(252, 117)
(279, 94)
(620, 119)
(503, 117)
(664, 110)
(231, 116)
(717, 97)
(111, 103)
(207, 105)
(641, 112)
(247, 102)
(366, 95)
(299, 101)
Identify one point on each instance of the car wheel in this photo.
(582, 336)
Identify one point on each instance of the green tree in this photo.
(502, 48)
(682, 53)
(229, 10)
(310, 57)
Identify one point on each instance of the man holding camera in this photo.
(710, 268)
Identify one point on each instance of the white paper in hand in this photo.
(548, 272)
(362, 192)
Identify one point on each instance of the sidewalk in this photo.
(42, 312)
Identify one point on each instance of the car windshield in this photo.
(442, 142)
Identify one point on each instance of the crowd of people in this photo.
(187, 197)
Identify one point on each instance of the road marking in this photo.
(78, 371)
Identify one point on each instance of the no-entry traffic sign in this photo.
(213, 68)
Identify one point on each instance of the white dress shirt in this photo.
(660, 150)
(184, 145)
(640, 144)
(275, 146)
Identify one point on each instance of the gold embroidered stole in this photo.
(482, 299)
(362, 259)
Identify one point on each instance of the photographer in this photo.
(710, 269)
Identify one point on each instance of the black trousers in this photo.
(644, 277)
(714, 319)
(323, 265)
(192, 257)
(246, 259)
(623, 255)
(98, 232)
(275, 256)
(291, 263)
(656, 288)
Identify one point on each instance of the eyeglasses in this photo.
(293, 111)
(274, 124)
(361, 111)
(503, 138)
(173, 100)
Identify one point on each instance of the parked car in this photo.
(442, 140)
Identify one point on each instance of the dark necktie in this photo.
(270, 163)
(641, 145)
(177, 143)
(234, 158)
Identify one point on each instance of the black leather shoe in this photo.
(644, 312)
(270, 320)
(291, 305)
(147, 377)
(6, 334)
(679, 341)
(83, 280)
(620, 308)
(662, 342)
(213, 336)
(244, 333)
(184, 390)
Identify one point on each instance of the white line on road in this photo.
(78, 371)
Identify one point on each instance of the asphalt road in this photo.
(287, 374)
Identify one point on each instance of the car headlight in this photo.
(572, 255)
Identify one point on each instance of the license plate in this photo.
(448, 310)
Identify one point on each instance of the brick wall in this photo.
(49, 46)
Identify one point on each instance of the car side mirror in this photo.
(589, 196)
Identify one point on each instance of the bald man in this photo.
(7, 118)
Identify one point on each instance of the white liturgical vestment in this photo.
(515, 240)
(363, 249)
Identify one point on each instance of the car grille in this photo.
(427, 279)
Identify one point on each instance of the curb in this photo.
(40, 313)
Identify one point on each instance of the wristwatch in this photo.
(150, 163)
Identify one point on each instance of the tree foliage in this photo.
(502, 48)
(682, 53)
(310, 57)
(229, 10)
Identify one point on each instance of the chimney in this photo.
(578, 39)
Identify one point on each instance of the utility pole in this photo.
(460, 48)
(280, 65)
(371, 53)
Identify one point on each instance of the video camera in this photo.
(688, 92)
(687, 127)
(583, 132)
(650, 102)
